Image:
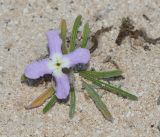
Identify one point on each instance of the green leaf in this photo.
(72, 102)
(63, 36)
(158, 101)
(98, 102)
(50, 104)
(158, 126)
(85, 36)
(23, 78)
(74, 33)
(109, 87)
(104, 74)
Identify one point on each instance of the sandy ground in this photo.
(23, 25)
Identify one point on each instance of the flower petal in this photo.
(37, 69)
(80, 55)
(54, 41)
(62, 86)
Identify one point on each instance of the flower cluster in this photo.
(59, 62)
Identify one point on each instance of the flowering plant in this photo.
(61, 64)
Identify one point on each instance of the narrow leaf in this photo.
(85, 36)
(158, 126)
(104, 74)
(63, 36)
(110, 88)
(98, 102)
(72, 103)
(41, 99)
(23, 78)
(74, 33)
(158, 101)
(50, 104)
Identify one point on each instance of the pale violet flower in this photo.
(56, 61)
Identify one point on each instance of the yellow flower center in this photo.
(57, 63)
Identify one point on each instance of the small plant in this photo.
(64, 60)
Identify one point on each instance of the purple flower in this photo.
(56, 61)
